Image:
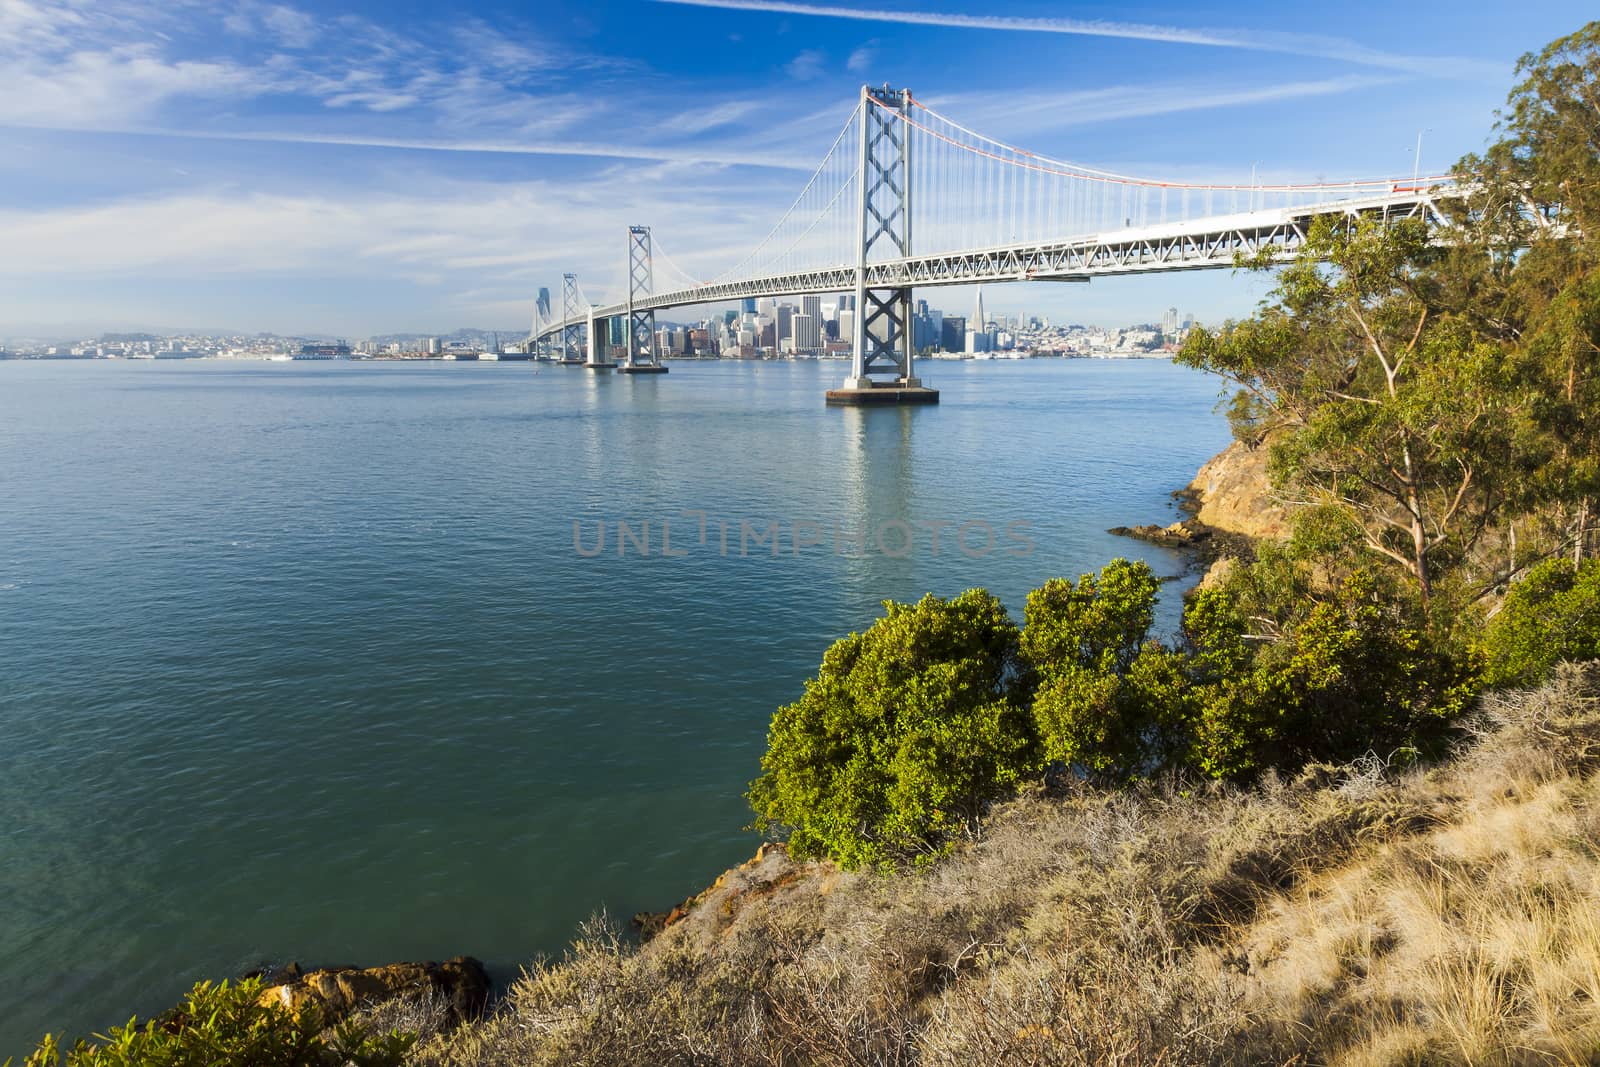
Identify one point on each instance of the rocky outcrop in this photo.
(1231, 506)
(1233, 493)
(336, 992)
(757, 872)
(1185, 534)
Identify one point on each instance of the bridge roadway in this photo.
(1199, 244)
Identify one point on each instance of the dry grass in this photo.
(1353, 916)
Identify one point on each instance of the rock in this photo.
(1232, 493)
(1219, 572)
(338, 991)
(1177, 535)
(650, 924)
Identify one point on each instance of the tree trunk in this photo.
(1419, 533)
(1511, 563)
(1419, 549)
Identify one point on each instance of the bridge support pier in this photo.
(881, 369)
(597, 347)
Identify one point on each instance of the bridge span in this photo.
(982, 212)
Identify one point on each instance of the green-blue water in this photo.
(298, 661)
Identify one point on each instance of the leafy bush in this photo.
(907, 731)
(229, 1024)
(1552, 614)
(1108, 701)
(1350, 674)
(911, 729)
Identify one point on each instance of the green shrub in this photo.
(1107, 701)
(228, 1025)
(1552, 614)
(906, 733)
(1350, 673)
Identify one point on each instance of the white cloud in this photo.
(82, 65)
(1335, 48)
(860, 60)
(458, 236)
(287, 27)
(807, 65)
(485, 45)
(117, 85)
(27, 26)
(701, 119)
(292, 27)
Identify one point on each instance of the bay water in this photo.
(326, 661)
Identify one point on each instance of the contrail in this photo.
(1286, 43)
(593, 150)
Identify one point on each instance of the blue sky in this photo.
(359, 168)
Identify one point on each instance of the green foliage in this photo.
(1551, 615)
(906, 733)
(228, 1025)
(1343, 673)
(1107, 700)
(912, 728)
(1390, 412)
(1441, 389)
(1539, 183)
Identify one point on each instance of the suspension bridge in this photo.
(908, 198)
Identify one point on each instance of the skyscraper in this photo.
(953, 333)
(807, 336)
(748, 305)
(979, 323)
(544, 304)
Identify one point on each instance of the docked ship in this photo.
(335, 351)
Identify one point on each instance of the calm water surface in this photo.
(297, 661)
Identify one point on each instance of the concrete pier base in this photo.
(570, 362)
(860, 391)
(601, 366)
(641, 368)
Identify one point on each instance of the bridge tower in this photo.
(881, 367)
(641, 322)
(571, 331)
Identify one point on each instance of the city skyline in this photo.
(349, 169)
(818, 326)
